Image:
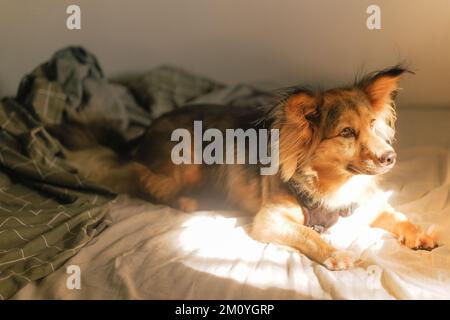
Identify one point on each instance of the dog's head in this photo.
(339, 133)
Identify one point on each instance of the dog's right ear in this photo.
(380, 87)
(301, 118)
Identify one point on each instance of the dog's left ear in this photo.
(380, 88)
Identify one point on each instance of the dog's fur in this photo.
(328, 139)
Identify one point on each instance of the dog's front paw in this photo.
(340, 260)
(412, 237)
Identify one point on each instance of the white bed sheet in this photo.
(155, 252)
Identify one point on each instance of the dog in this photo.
(328, 139)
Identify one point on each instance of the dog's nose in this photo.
(388, 158)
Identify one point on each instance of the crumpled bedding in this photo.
(155, 252)
(48, 212)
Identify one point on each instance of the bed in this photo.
(148, 251)
(155, 252)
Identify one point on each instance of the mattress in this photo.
(156, 252)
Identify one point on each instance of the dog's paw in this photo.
(412, 237)
(187, 204)
(340, 260)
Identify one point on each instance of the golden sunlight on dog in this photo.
(328, 141)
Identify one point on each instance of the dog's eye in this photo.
(347, 133)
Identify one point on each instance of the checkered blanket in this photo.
(47, 211)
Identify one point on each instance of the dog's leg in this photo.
(406, 232)
(280, 221)
(187, 204)
(162, 187)
(167, 187)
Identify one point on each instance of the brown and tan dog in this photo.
(327, 140)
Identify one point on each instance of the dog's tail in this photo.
(76, 136)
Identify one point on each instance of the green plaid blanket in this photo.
(47, 211)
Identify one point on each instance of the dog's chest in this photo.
(323, 214)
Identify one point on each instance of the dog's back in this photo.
(101, 154)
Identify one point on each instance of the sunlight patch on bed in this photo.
(214, 236)
(220, 245)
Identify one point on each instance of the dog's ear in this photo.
(380, 87)
(301, 118)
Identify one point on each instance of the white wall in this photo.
(318, 42)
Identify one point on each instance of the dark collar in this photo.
(305, 198)
(316, 215)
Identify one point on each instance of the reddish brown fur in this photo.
(296, 134)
